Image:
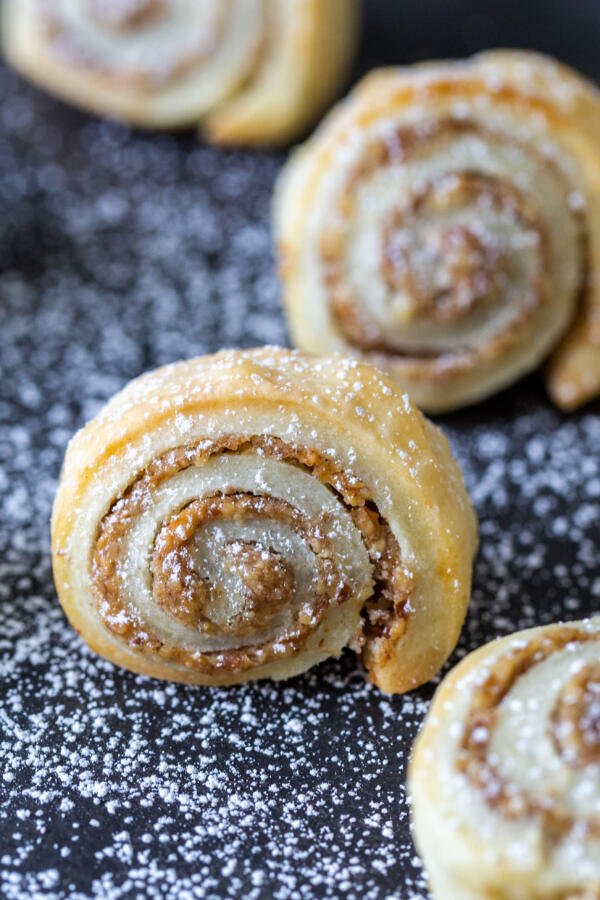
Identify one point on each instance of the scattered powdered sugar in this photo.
(120, 252)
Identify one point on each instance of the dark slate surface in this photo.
(119, 252)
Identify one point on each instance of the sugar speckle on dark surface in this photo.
(120, 252)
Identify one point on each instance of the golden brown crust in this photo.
(329, 426)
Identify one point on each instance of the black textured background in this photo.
(121, 251)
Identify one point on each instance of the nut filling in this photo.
(249, 573)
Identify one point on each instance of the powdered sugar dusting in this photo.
(120, 252)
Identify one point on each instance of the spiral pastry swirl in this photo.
(249, 514)
(444, 224)
(254, 71)
(505, 775)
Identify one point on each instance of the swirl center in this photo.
(260, 579)
(441, 257)
(212, 570)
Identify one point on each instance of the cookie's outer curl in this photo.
(444, 224)
(253, 71)
(248, 514)
(505, 774)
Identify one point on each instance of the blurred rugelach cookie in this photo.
(249, 514)
(505, 774)
(444, 223)
(252, 71)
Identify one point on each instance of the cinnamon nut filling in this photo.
(261, 575)
(265, 579)
(575, 728)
